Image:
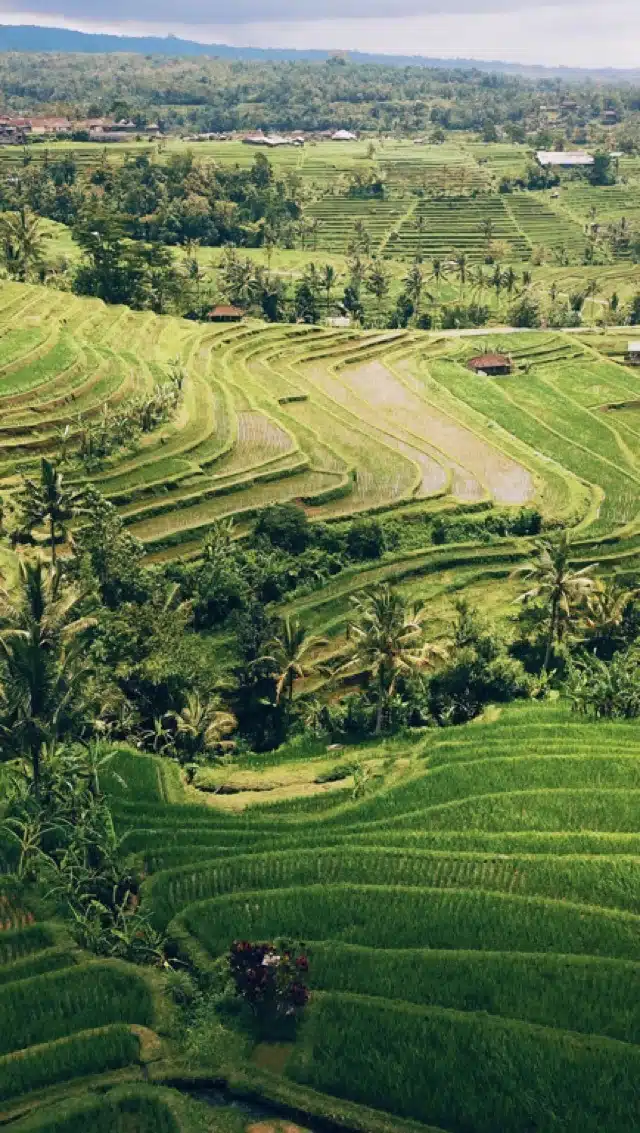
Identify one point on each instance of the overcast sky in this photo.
(573, 32)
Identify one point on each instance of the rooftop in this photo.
(226, 312)
(563, 157)
(489, 362)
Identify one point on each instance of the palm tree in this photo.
(290, 656)
(438, 273)
(388, 642)
(49, 501)
(606, 608)
(557, 583)
(479, 281)
(21, 242)
(462, 263)
(510, 279)
(202, 724)
(328, 277)
(42, 634)
(414, 285)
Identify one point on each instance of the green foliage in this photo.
(54, 1005)
(46, 960)
(574, 993)
(25, 942)
(284, 526)
(148, 1109)
(606, 691)
(373, 1052)
(50, 1063)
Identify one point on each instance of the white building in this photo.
(344, 136)
(563, 159)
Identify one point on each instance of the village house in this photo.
(551, 159)
(494, 365)
(633, 354)
(226, 314)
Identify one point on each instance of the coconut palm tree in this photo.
(42, 665)
(388, 642)
(202, 724)
(21, 242)
(328, 277)
(290, 652)
(606, 607)
(414, 285)
(438, 273)
(462, 266)
(554, 581)
(49, 501)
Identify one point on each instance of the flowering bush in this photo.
(270, 977)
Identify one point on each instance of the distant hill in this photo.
(24, 37)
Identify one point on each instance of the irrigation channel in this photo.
(217, 1093)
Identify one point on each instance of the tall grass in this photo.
(397, 917)
(467, 1072)
(595, 881)
(88, 1052)
(577, 993)
(48, 1007)
(134, 1108)
(25, 941)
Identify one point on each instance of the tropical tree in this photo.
(49, 501)
(328, 277)
(21, 242)
(201, 725)
(42, 662)
(555, 582)
(377, 282)
(462, 267)
(388, 642)
(438, 273)
(606, 611)
(290, 654)
(414, 285)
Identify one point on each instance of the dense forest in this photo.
(216, 95)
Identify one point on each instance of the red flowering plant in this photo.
(270, 977)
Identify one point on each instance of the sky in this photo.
(570, 33)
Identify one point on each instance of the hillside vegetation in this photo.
(498, 986)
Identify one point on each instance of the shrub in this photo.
(284, 526)
(366, 539)
(270, 977)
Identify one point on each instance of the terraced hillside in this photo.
(341, 421)
(472, 924)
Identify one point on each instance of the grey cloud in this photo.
(215, 12)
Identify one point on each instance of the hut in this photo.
(633, 353)
(492, 364)
(226, 315)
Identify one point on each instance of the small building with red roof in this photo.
(492, 364)
(226, 314)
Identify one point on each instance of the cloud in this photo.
(217, 12)
(519, 31)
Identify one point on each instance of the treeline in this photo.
(215, 95)
(170, 202)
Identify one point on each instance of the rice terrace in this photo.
(319, 599)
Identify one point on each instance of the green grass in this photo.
(413, 918)
(466, 1070)
(575, 993)
(56, 1004)
(75, 1056)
